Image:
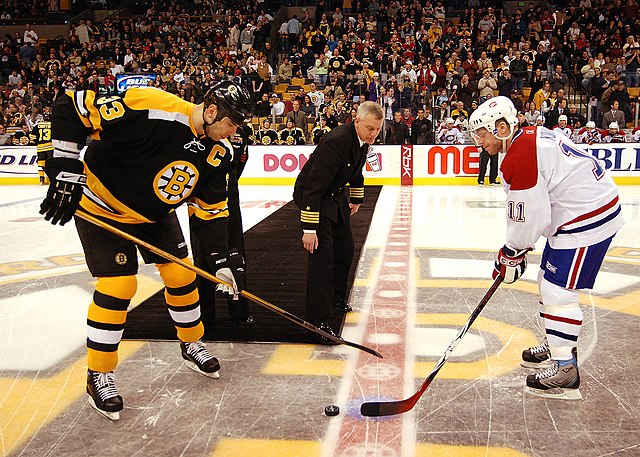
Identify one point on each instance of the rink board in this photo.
(399, 164)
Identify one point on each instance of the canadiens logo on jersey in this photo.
(194, 146)
(175, 181)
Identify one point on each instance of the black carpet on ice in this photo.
(277, 267)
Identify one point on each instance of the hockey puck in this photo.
(332, 410)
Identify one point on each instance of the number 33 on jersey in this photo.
(147, 154)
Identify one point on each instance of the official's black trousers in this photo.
(328, 268)
(492, 160)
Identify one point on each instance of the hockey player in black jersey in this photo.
(291, 135)
(266, 135)
(42, 134)
(151, 152)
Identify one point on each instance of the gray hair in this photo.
(372, 109)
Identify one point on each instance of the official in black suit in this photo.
(325, 209)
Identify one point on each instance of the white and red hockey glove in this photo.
(510, 264)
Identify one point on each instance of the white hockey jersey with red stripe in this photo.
(636, 135)
(618, 137)
(449, 136)
(566, 131)
(557, 190)
(592, 136)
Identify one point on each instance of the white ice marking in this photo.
(53, 322)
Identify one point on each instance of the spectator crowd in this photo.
(427, 70)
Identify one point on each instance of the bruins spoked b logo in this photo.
(121, 258)
(175, 182)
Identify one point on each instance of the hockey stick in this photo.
(389, 408)
(200, 272)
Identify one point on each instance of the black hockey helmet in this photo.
(233, 101)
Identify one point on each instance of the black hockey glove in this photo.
(65, 189)
(510, 264)
(228, 267)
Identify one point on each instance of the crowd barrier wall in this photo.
(399, 164)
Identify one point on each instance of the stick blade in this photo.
(361, 347)
(385, 408)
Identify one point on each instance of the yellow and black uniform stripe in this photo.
(146, 158)
(267, 137)
(183, 302)
(318, 132)
(294, 136)
(105, 320)
(44, 147)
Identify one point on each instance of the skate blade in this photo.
(111, 415)
(194, 367)
(555, 394)
(536, 366)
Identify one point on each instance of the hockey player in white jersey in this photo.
(635, 135)
(614, 134)
(562, 127)
(589, 134)
(449, 133)
(540, 173)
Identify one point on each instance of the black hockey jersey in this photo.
(293, 136)
(146, 157)
(267, 137)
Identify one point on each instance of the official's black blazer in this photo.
(320, 186)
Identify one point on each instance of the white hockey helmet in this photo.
(449, 120)
(491, 111)
(590, 125)
(562, 117)
(614, 126)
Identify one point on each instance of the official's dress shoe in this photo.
(325, 328)
(249, 320)
(343, 307)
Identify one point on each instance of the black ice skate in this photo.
(560, 381)
(199, 359)
(537, 356)
(103, 395)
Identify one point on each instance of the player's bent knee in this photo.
(174, 275)
(559, 296)
(122, 287)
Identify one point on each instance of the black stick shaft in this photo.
(389, 408)
(200, 272)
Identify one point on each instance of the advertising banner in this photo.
(281, 164)
(125, 81)
(18, 164)
(395, 164)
